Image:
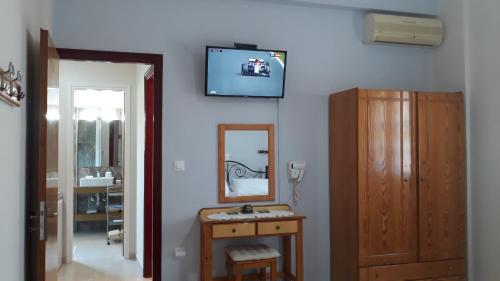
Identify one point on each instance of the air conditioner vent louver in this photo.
(403, 30)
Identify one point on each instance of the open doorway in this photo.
(44, 202)
(102, 150)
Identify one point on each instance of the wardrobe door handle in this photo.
(234, 230)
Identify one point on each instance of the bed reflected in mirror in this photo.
(246, 163)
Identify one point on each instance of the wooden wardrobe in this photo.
(397, 186)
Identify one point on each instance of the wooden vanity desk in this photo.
(284, 227)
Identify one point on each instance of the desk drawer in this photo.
(277, 227)
(233, 230)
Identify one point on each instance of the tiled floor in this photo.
(93, 260)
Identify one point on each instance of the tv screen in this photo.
(245, 73)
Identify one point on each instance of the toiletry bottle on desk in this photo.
(98, 174)
(108, 174)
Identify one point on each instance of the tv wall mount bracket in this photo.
(245, 46)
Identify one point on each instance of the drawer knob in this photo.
(234, 230)
(278, 227)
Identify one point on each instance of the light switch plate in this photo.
(180, 252)
(179, 165)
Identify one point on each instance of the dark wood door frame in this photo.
(148, 173)
(156, 60)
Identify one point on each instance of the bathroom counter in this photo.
(92, 189)
(99, 216)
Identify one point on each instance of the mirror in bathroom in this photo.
(246, 163)
(98, 134)
(99, 143)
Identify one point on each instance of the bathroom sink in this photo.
(102, 181)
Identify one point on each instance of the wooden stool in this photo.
(251, 257)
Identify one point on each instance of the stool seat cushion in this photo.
(252, 253)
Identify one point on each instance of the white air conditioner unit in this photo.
(381, 28)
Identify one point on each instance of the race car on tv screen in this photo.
(256, 67)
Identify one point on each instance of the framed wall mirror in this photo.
(246, 163)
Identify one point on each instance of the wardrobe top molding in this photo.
(420, 7)
(393, 91)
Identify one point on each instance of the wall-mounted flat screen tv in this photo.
(234, 72)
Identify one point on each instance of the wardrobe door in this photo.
(442, 176)
(387, 186)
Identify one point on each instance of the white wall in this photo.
(20, 40)
(97, 75)
(483, 82)
(325, 55)
(449, 59)
(140, 144)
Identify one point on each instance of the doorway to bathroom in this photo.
(102, 143)
(101, 174)
(46, 204)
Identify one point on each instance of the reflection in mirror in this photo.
(99, 118)
(246, 163)
(99, 143)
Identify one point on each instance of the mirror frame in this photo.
(222, 159)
